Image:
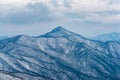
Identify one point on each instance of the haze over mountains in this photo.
(108, 37)
(59, 55)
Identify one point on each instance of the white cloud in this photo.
(14, 1)
(103, 18)
(69, 10)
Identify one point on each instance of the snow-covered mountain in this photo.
(108, 37)
(59, 55)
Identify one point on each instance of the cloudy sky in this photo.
(35, 17)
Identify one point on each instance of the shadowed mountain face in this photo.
(60, 55)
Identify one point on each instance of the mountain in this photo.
(3, 37)
(59, 55)
(108, 37)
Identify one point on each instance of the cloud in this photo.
(31, 13)
(75, 11)
(104, 18)
(104, 12)
(67, 3)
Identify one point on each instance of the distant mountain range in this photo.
(58, 55)
(108, 37)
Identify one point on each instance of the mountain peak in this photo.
(59, 28)
(62, 32)
(58, 32)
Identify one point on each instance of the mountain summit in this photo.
(59, 28)
(58, 32)
(62, 32)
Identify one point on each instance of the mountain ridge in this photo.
(60, 55)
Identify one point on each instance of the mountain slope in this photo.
(3, 37)
(60, 55)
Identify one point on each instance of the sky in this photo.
(35, 17)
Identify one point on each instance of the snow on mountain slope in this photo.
(4, 75)
(60, 55)
(7, 76)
